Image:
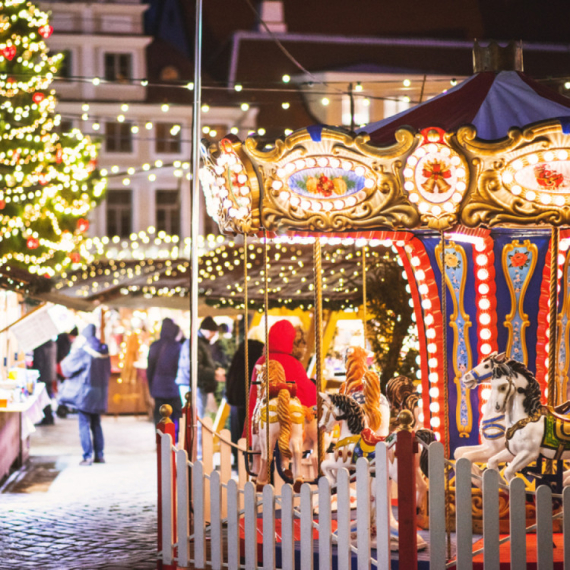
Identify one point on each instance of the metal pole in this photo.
(195, 223)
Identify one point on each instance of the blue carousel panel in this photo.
(326, 182)
(461, 338)
(520, 256)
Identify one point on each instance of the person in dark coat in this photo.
(45, 364)
(208, 374)
(162, 369)
(89, 365)
(235, 382)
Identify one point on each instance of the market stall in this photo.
(21, 407)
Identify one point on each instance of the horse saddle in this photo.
(368, 440)
(274, 389)
(556, 433)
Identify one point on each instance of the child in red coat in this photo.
(281, 339)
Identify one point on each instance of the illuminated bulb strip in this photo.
(485, 302)
(542, 329)
(431, 309)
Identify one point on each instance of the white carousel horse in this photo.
(516, 393)
(356, 440)
(492, 427)
(291, 425)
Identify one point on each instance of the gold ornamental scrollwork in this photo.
(231, 187)
(329, 180)
(522, 180)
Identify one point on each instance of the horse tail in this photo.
(372, 400)
(427, 436)
(355, 369)
(284, 415)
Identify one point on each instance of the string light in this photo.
(49, 182)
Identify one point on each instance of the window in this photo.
(118, 137)
(167, 138)
(361, 110)
(118, 67)
(65, 71)
(119, 213)
(395, 106)
(168, 211)
(169, 73)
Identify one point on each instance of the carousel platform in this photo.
(423, 556)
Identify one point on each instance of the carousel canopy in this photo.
(492, 102)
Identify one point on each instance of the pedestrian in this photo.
(64, 342)
(281, 341)
(44, 361)
(236, 381)
(208, 374)
(223, 348)
(162, 369)
(89, 365)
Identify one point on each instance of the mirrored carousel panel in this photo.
(324, 179)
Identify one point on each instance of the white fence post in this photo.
(325, 530)
(306, 527)
(242, 472)
(463, 514)
(343, 519)
(182, 507)
(250, 526)
(363, 513)
(544, 545)
(207, 462)
(167, 498)
(491, 553)
(225, 467)
(233, 526)
(517, 522)
(383, 506)
(287, 536)
(216, 521)
(198, 518)
(566, 526)
(268, 528)
(436, 506)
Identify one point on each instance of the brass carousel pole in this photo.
(553, 314)
(246, 347)
(445, 391)
(318, 276)
(364, 299)
(266, 379)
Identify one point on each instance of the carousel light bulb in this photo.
(325, 101)
(435, 422)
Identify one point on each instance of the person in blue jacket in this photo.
(162, 368)
(89, 365)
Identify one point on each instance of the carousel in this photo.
(473, 190)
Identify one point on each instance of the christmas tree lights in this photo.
(48, 181)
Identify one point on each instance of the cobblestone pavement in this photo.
(57, 515)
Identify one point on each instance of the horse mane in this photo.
(355, 369)
(351, 409)
(531, 403)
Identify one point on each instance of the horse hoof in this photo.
(259, 487)
(288, 474)
(297, 485)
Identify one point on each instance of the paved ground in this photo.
(57, 515)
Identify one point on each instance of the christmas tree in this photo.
(48, 181)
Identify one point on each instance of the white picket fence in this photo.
(219, 503)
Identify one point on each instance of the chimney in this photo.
(271, 12)
(493, 57)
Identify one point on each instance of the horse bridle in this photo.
(485, 376)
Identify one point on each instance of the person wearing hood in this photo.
(162, 369)
(236, 380)
(281, 340)
(89, 366)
